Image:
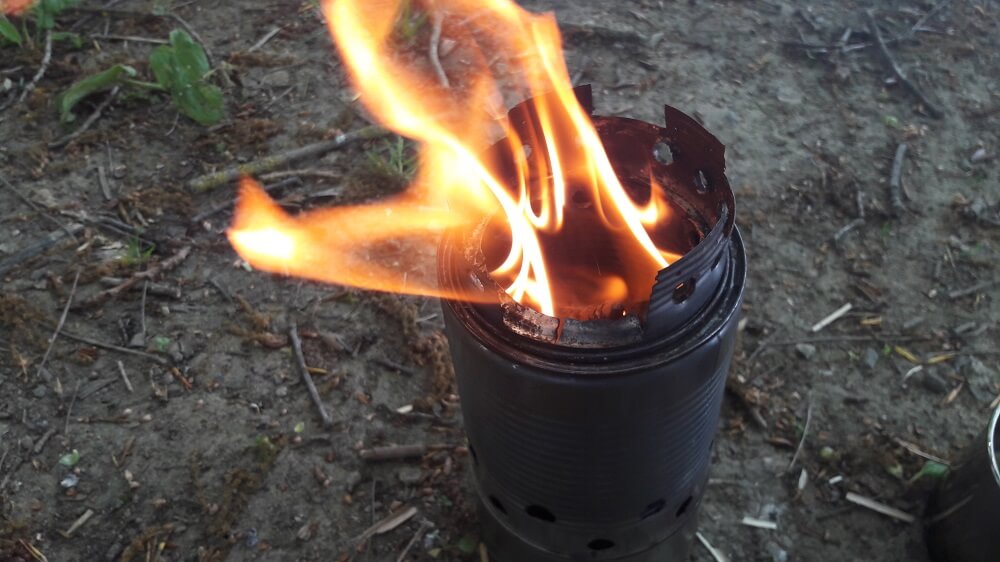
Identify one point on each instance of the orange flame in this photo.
(15, 7)
(565, 187)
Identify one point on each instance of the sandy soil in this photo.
(216, 452)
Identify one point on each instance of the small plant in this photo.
(180, 69)
(136, 253)
(409, 22)
(397, 161)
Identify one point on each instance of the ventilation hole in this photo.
(475, 457)
(683, 290)
(600, 544)
(684, 506)
(580, 198)
(654, 508)
(718, 258)
(527, 150)
(663, 153)
(539, 512)
(701, 182)
(496, 503)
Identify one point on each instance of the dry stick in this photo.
(433, 51)
(263, 40)
(959, 293)
(77, 524)
(717, 554)
(425, 526)
(110, 347)
(14, 260)
(802, 440)
(125, 379)
(46, 59)
(69, 411)
(293, 335)
(86, 124)
(44, 212)
(880, 507)
(896, 180)
(132, 38)
(215, 179)
(393, 452)
(165, 265)
(887, 55)
(44, 439)
(59, 326)
(833, 317)
(228, 203)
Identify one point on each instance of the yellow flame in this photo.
(499, 48)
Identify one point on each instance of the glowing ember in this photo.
(566, 235)
(14, 7)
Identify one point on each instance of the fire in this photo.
(14, 7)
(570, 238)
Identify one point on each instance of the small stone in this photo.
(979, 155)
(871, 358)
(352, 480)
(281, 391)
(805, 350)
(777, 553)
(410, 475)
(277, 79)
(39, 391)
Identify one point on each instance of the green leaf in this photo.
(182, 68)
(70, 459)
(92, 84)
(931, 469)
(45, 11)
(68, 36)
(468, 544)
(8, 32)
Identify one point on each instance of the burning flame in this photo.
(14, 7)
(563, 194)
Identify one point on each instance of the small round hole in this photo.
(684, 506)
(701, 182)
(654, 508)
(600, 544)
(527, 150)
(539, 512)
(683, 290)
(663, 153)
(497, 504)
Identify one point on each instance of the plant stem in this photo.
(142, 84)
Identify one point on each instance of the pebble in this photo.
(40, 391)
(281, 392)
(352, 480)
(871, 358)
(979, 155)
(933, 382)
(277, 79)
(410, 475)
(806, 350)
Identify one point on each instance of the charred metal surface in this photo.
(591, 440)
(963, 517)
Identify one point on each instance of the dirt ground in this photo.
(217, 453)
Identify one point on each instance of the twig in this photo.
(920, 453)
(69, 410)
(802, 440)
(433, 51)
(717, 554)
(833, 317)
(59, 326)
(90, 120)
(887, 55)
(425, 526)
(847, 228)
(43, 440)
(263, 40)
(215, 179)
(110, 347)
(131, 38)
(128, 383)
(393, 452)
(759, 523)
(102, 181)
(959, 293)
(896, 180)
(293, 335)
(388, 523)
(43, 211)
(394, 366)
(46, 59)
(194, 34)
(851, 337)
(160, 267)
(228, 203)
(78, 523)
(880, 507)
